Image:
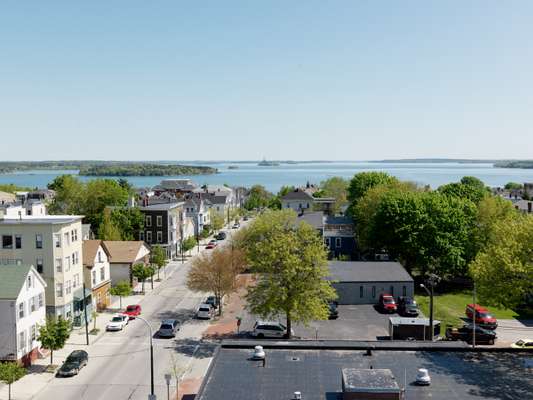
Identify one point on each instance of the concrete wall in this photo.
(368, 292)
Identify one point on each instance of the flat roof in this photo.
(39, 219)
(317, 374)
(368, 271)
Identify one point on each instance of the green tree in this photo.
(189, 244)
(257, 198)
(54, 334)
(142, 272)
(11, 372)
(468, 188)
(427, 231)
(69, 198)
(513, 186)
(125, 184)
(217, 220)
(121, 289)
(129, 221)
(364, 181)
(337, 188)
(158, 258)
(503, 270)
(291, 261)
(107, 229)
(99, 194)
(216, 272)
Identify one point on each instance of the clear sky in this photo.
(196, 80)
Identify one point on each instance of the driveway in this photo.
(510, 330)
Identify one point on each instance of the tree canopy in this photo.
(337, 188)
(54, 334)
(10, 372)
(291, 262)
(121, 289)
(468, 188)
(257, 198)
(364, 181)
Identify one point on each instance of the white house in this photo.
(52, 243)
(96, 272)
(22, 311)
(197, 209)
(299, 200)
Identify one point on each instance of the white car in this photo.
(117, 323)
(269, 329)
(205, 311)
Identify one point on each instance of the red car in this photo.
(211, 245)
(387, 303)
(133, 310)
(483, 316)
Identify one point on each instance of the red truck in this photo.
(483, 316)
(133, 311)
(387, 303)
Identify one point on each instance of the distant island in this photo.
(266, 163)
(526, 164)
(132, 169)
(233, 167)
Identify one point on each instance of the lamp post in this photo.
(431, 281)
(151, 356)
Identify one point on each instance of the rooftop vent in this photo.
(360, 384)
(297, 396)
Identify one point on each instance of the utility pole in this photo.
(151, 356)
(85, 314)
(474, 318)
(431, 281)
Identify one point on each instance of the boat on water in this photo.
(266, 163)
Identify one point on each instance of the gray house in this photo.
(361, 282)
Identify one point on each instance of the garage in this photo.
(361, 282)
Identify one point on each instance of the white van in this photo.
(269, 329)
(205, 311)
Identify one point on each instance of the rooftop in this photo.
(315, 219)
(317, 374)
(368, 271)
(39, 219)
(298, 194)
(162, 206)
(12, 277)
(123, 251)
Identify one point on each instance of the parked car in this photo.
(407, 307)
(74, 362)
(526, 344)
(268, 329)
(236, 225)
(387, 303)
(222, 236)
(466, 334)
(133, 311)
(212, 301)
(205, 311)
(117, 322)
(168, 328)
(483, 317)
(212, 244)
(245, 218)
(333, 310)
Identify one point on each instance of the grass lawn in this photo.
(449, 308)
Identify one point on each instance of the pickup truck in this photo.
(465, 333)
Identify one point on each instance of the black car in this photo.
(466, 334)
(407, 307)
(168, 328)
(221, 236)
(333, 310)
(212, 301)
(74, 362)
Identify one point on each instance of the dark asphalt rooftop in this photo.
(317, 374)
(368, 271)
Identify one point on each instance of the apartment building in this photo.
(22, 311)
(53, 244)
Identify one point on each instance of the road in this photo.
(119, 365)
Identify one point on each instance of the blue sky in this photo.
(348, 80)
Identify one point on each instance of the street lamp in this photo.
(168, 377)
(151, 356)
(431, 281)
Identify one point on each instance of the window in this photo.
(72, 235)
(40, 265)
(22, 338)
(59, 289)
(159, 236)
(102, 274)
(33, 332)
(32, 304)
(404, 290)
(21, 310)
(57, 240)
(99, 256)
(148, 220)
(75, 258)
(392, 290)
(159, 220)
(75, 235)
(38, 241)
(141, 235)
(149, 237)
(327, 241)
(28, 282)
(67, 263)
(59, 265)
(76, 280)
(7, 241)
(94, 277)
(338, 242)
(67, 238)
(68, 287)
(361, 291)
(18, 242)
(41, 300)
(373, 292)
